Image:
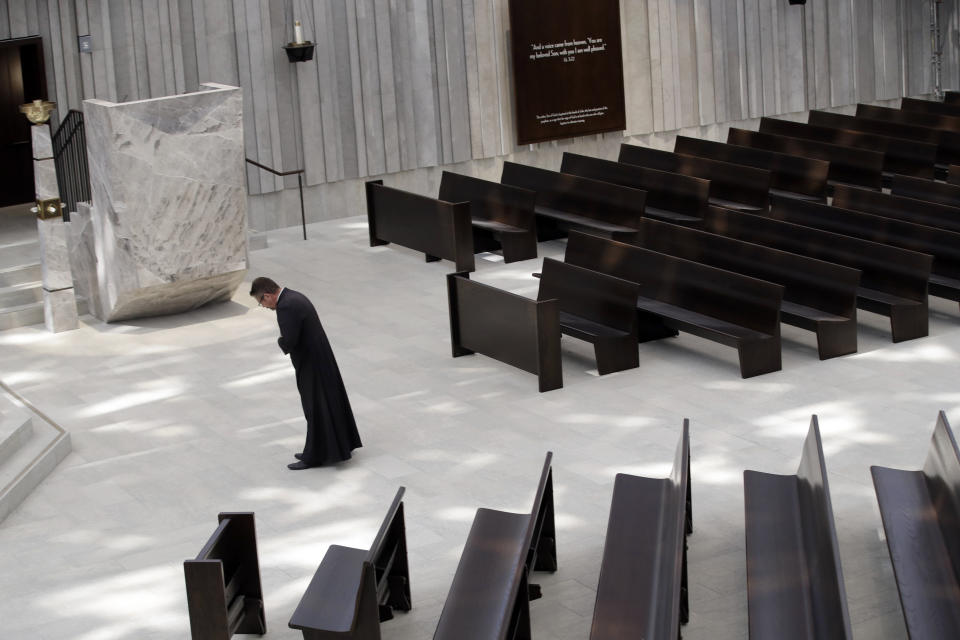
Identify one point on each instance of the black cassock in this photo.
(331, 431)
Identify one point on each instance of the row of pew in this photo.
(795, 586)
(751, 213)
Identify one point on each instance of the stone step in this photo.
(33, 460)
(20, 294)
(16, 428)
(21, 316)
(12, 276)
(15, 254)
(30, 314)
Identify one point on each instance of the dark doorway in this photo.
(22, 80)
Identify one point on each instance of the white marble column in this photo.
(44, 169)
(59, 300)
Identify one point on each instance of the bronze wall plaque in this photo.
(567, 68)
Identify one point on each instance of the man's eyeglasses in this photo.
(260, 299)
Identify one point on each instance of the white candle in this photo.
(297, 32)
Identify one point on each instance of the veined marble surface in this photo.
(44, 170)
(83, 258)
(54, 256)
(169, 200)
(60, 310)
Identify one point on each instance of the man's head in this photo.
(265, 291)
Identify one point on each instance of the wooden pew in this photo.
(929, 106)
(951, 97)
(790, 175)
(680, 295)
(673, 197)
(948, 142)
(513, 329)
(907, 157)
(354, 590)
(943, 245)
(795, 584)
(439, 229)
(915, 118)
(224, 595)
(953, 174)
(502, 216)
(890, 206)
(920, 517)
(566, 202)
(642, 592)
(853, 166)
(731, 186)
(596, 308)
(893, 281)
(818, 296)
(927, 190)
(489, 598)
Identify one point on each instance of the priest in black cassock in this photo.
(331, 431)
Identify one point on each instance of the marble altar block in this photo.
(169, 211)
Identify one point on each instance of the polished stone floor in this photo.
(175, 419)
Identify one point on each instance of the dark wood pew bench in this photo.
(354, 590)
(926, 190)
(931, 214)
(224, 595)
(489, 598)
(818, 296)
(908, 157)
(893, 281)
(680, 295)
(438, 229)
(513, 329)
(731, 186)
(929, 106)
(795, 587)
(953, 174)
(596, 308)
(943, 245)
(920, 517)
(670, 196)
(502, 216)
(847, 165)
(566, 202)
(947, 142)
(793, 176)
(916, 118)
(642, 592)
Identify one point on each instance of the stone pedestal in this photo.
(59, 300)
(169, 201)
(44, 169)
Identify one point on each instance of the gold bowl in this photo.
(37, 111)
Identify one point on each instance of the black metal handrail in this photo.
(299, 172)
(70, 158)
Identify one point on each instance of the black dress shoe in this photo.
(297, 466)
(298, 456)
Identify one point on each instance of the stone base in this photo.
(60, 310)
(83, 258)
(175, 297)
(54, 255)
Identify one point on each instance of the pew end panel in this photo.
(513, 329)
(224, 593)
(439, 229)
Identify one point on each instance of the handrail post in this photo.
(303, 215)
